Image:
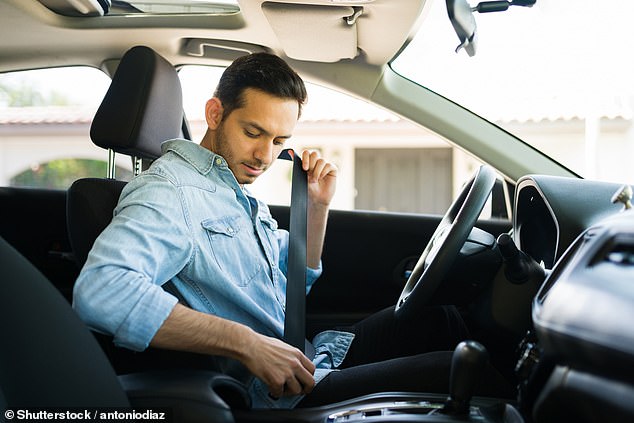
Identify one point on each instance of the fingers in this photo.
(316, 166)
(305, 377)
(284, 369)
(296, 382)
(297, 378)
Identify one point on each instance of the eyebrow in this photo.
(262, 130)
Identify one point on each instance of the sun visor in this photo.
(314, 32)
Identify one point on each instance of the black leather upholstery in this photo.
(48, 356)
(89, 210)
(142, 107)
(50, 359)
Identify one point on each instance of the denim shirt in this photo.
(186, 219)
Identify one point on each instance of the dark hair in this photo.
(262, 71)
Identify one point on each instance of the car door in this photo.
(395, 181)
(366, 258)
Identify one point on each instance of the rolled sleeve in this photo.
(118, 291)
(311, 276)
(132, 312)
(145, 318)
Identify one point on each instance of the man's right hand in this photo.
(285, 369)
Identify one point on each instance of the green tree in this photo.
(23, 93)
(60, 174)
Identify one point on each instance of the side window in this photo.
(45, 117)
(385, 163)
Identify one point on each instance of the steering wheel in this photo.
(446, 242)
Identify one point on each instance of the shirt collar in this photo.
(199, 157)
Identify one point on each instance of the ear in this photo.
(213, 112)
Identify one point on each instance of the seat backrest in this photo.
(89, 208)
(142, 108)
(48, 357)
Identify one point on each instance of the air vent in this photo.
(621, 254)
(618, 249)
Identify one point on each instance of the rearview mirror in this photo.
(461, 17)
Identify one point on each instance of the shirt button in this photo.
(218, 161)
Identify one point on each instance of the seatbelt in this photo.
(295, 320)
(295, 326)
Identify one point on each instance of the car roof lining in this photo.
(332, 38)
(61, 40)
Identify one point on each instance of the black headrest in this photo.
(142, 108)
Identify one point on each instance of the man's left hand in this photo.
(322, 178)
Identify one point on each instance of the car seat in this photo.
(142, 108)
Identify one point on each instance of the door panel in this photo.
(34, 223)
(364, 256)
(364, 261)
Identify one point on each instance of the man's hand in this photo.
(322, 178)
(322, 181)
(285, 369)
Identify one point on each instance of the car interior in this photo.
(547, 290)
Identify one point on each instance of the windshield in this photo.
(558, 75)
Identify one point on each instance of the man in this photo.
(190, 219)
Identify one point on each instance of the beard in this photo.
(222, 147)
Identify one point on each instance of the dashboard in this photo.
(551, 212)
(581, 348)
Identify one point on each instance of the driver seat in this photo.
(142, 108)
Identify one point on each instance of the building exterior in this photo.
(371, 148)
(368, 152)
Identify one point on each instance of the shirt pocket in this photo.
(270, 227)
(234, 249)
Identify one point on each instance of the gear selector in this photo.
(467, 364)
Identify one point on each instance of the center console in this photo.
(468, 362)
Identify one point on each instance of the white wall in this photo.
(26, 147)
(23, 146)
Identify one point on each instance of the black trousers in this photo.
(413, 355)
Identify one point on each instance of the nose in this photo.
(264, 152)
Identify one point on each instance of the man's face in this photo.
(251, 137)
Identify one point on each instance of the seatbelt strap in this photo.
(295, 316)
(295, 320)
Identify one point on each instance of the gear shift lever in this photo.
(467, 365)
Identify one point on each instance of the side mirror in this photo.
(461, 17)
